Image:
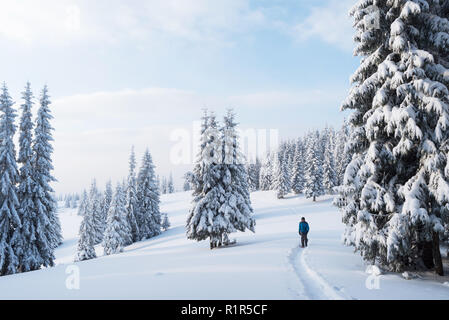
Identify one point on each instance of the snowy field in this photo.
(265, 265)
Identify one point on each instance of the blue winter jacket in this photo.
(303, 227)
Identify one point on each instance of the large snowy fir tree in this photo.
(395, 192)
(281, 177)
(148, 215)
(44, 201)
(29, 226)
(82, 208)
(9, 176)
(131, 198)
(33, 246)
(95, 211)
(106, 199)
(297, 178)
(237, 210)
(87, 237)
(313, 186)
(118, 231)
(221, 202)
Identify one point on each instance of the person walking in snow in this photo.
(303, 231)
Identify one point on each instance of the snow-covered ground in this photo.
(265, 265)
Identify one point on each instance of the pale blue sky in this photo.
(130, 72)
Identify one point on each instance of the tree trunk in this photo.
(437, 254)
(314, 198)
(427, 254)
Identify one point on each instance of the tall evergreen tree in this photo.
(118, 230)
(298, 179)
(314, 168)
(131, 198)
(87, 237)
(32, 246)
(9, 176)
(266, 173)
(208, 190)
(149, 217)
(236, 211)
(94, 210)
(74, 203)
(44, 201)
(187, 177)
(164, 185)
(106, 200)
(170, 184)
(68, 201)
(280, 182)
(341, 156)
(83, 204)
(253, 169)
(396, 187)
(329, 175)
(221, 202)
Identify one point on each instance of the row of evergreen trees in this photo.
(121, 217)
(221, 203)
(313, 165)
(166, 185)
(395, 195)
(70, 200)
(29, 225)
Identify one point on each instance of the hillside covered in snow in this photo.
(268, 264)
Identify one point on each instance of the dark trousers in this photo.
(304, 239)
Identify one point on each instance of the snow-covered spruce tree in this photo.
(329, 175)
(9, 176)
(149, 216)
(236, 212)
(94, 210)
(83, 204)
(68, 201)
(208, 190)
(170, 184)
(253, 169)
(396, 187)
(165, 222)
(131, 198)
(289, 156)
(298, 179)
(195, 177)
(43, 199)
(187, 178)
(341, 156)
(313, 187)
(256, 173)
(74, 203)
(118, 230)
(30, 242)
(164, 186)
(266, 173)
(106, 199)
(280, 182)
(87, 237)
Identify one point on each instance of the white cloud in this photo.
(330, 23)
(150, 21)
(33, 21)
(27, 20)
(273, 99)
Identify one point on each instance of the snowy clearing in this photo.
(265, 265)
